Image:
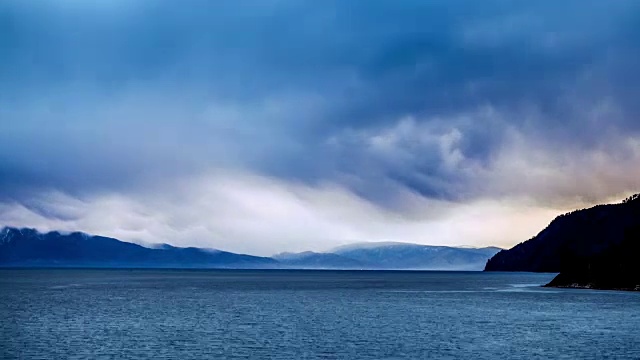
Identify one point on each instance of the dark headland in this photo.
(595, 248)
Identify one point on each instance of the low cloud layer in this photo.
(278, 125)
(259, 215)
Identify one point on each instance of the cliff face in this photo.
(596, 248)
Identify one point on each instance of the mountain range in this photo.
(30, 248)
(392, 255)
(598, 247)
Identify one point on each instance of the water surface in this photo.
(228, 314)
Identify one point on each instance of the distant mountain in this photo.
(28, 247)
(392, 256)
(597, 247)
(413, 256)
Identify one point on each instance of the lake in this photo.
(251, 314)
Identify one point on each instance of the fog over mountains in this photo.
(30, 248)
(393, 255)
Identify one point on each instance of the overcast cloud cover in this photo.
(279, 125)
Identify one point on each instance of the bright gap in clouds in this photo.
(260, 215)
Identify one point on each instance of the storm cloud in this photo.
(262, 126)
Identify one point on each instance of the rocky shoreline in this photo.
(602, 282)
(590, 287)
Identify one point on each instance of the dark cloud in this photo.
(119, 94)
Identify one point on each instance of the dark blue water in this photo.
(175, 314)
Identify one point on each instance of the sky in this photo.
(264, 126)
